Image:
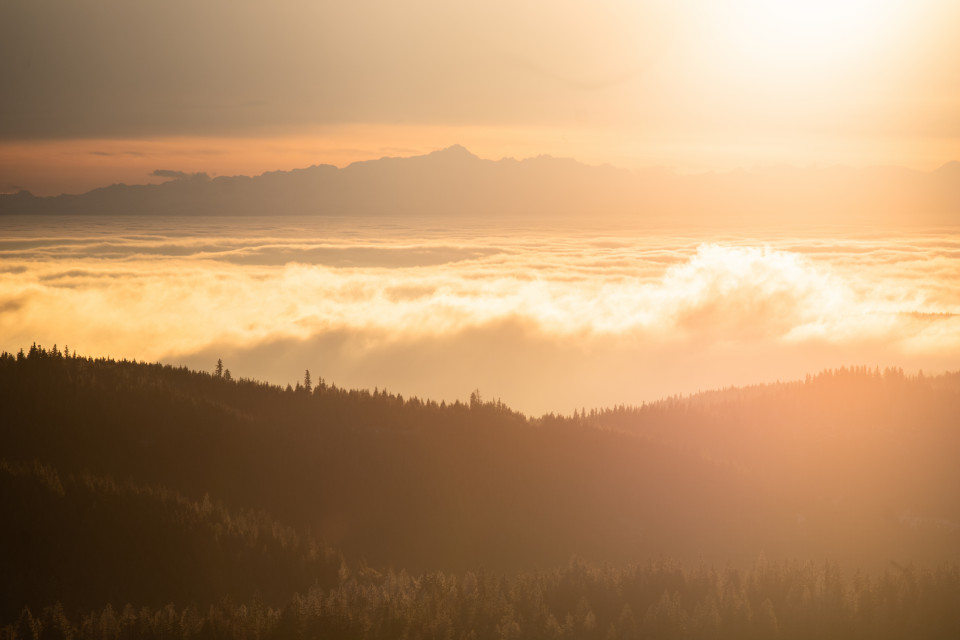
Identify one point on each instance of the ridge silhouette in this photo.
(454, 183)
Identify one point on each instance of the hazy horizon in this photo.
(105, 92)
(161, 175)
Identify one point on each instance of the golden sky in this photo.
(103, 91)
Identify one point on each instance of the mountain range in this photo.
(454, 183)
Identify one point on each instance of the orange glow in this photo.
(614, 304)
(51, 167)
(808, 32)
(692, 86)
(344, 311)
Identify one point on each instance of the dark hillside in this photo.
(108, 466)
(401, 483)
(86, 541)
(852, 452)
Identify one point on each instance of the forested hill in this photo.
(114, 471)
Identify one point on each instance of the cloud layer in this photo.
(546, 320)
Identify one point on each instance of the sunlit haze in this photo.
(480, 319)
(546, 320)
(98, 93)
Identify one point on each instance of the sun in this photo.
(805, 32)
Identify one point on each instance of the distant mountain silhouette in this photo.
(453, 182)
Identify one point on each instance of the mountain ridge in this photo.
(455, 183)
(123, 481)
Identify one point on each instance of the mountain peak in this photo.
(456, 151)
(952, 166)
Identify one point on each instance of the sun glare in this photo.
(805, 31)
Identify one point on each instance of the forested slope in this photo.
(86, 540)
(868, 461)
(128, 482)
(401, 483)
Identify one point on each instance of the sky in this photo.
(103, 91)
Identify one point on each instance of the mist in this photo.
(544, 319)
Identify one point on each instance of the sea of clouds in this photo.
(546, 319)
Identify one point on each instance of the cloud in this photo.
(744, 293)
(179, 175)
(575, 316)
(111, 154)
(10, 305)
(537, 372)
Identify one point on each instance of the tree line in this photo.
(658, 599)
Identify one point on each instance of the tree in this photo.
(27, 627)
(307, 383)
(54, 623)
(219, 370)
